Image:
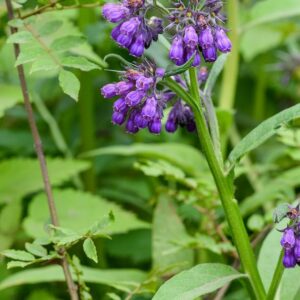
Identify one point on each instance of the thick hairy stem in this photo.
(41, 157)
(223, 183)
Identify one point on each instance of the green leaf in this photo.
(280, 212)
(50, 27)
(17, 264)
(69, 83)
(72, 205)
(256, 222)
(10, 217)
(172, 152)
(44, 63)
(275, 189)
(271, 11)
(124, 279)
(78, 62)
(261, 133)
(90, 249)
(267, 261)
(20, 37)
(66, 43)
(214, 73)
(28, 175)
(17, 23)
(36, 249)
(178, 70)
(167, 232)
(10, 95)
(18, 255)
(200, 280)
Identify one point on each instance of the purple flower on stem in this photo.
(176, 51)
(149, 109)
(130, 27)
(115, 12)
(288, 239)
(223, 43)
(155, 126)
(109, 90)
(123, 87)
(206, 39)
(190, 37)
(289, 260)
(137, 48)
(210, 54)
(297, 249)
(118, 117)
(144, 83)
(134, 98)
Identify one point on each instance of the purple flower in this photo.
(223, 43)
(288, 239)
(210, 54)
(297, 249)
(160, 72)
(176, 51)
(130, 27)
(115, 12)
(137, 48)
(190, 37)
(124, 40)
(197, 59)
(155, 126)
(120, 105)
(123, 87)
(149, 109)
(144, 83)
(134, 98)
(289, 260)
(206, 39)
(171, 124)
(131, 126)
(109, 90)
(203, 74)
(118, 117)
(140, 121)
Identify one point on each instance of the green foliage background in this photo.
(168, 217)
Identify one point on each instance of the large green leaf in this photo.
(261, 133)
(175, 153)
(10, 95)
(125, 279)
(272, 10)
(167, 232)
(22, 176)
(267, 261)
(272, 190)
(78, 211)
(200, 280)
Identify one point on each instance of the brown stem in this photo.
(41, 157)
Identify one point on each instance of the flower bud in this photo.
(120, 105)
(137, 48)
(118, 117)
(149, 109)
(190, 37)
(289, 260)
(206, 39)
(288, 239)
(134, 98)
(223, 43)
(130, 27)
(176, 51)
(123, 87)
(109, 90)
(155, 126)
(115, 12)
(210, 54)
(144, 83)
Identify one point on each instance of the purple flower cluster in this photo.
(197, 31)
(141, 103)
(133, 31)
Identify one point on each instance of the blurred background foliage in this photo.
(167, 212)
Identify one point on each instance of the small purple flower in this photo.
(140, 121)
(123, 87)
(197, 59)
(130, 27)
(149, 109)
(131, 126)
(176, 51)
(155, 126)
(109, 90)
(190, 37)
(297, 249)
(144, 83)
(160, 72)
(134, 98)
(124, 40)
(120, 105)
(223, 43)
(137, 48)
(115, 12)
(210, 54)
(288, 239)
(118, 117)
(203, 74)
(206, 38)
(171, 124)
(289, 260)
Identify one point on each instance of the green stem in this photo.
(230, 75)
(276, 278)
(225, 188)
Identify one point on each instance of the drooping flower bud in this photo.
(289, 260)
(176, 51)
(115, 12)
(134, 98)
(155, 126)
(206, 39)
(123, 87)
(288, 239)
(109, 90)
(118, 117)
(190, 37)
(160, 72)
(140, 121)
(210, 54)
(149, 109)
(130, 27)
(144, 83)
(223, 43)
(120, 105)
(137, 48)
(297, 249)
(171, 124)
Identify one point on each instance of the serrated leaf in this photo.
(181, 69)
(20, 37)
(198, 281)
(78, 62)
(36, 249)
(67, 42)
(124, 279)
(214, 73)
(72, 205)
(69, 84)
(18, 255)
(261, 133)
(90, 249)
(10, 95)
(29, 178)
